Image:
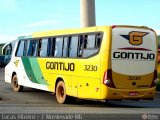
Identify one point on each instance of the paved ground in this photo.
(36, 101)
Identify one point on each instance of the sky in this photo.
(22, 17)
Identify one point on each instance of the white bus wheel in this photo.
(16, 87)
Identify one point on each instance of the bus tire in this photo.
(16, 87)
(61, 92)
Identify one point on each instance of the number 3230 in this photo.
(90, 68)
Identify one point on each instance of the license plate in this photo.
(133, 94)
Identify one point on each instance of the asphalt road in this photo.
(37, 101)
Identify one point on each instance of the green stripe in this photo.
(33, 70)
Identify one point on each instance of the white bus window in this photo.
(91, 41)
(91, 45)
(58, 47)
(43, 49)
(35, 45)
(98, 40)
(73, 46)
(50, 47)
(65, 47)
(29, 48)
(53, 44)
(20, 50)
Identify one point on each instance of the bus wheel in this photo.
(15, 86)
(61, 92)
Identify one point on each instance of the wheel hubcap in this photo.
(61, 92)
(15, 83)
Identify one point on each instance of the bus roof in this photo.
(72, 31)
(65, 32)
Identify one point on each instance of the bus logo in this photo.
(16, 63)
(135, 37)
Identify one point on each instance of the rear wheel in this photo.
(61, 92)
(16, 87)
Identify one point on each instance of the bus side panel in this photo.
(74, 86)
(53, 70)
(25, 75)
(81, 80)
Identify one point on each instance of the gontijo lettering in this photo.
(134, 55)
(60, 66)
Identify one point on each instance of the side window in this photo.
(91, 44)
(53, 45)
(43, 48)
(98, 41)
(58, 47)
(35, 46)
(29, 48)
(49, 47)
(65, 47)
(90, 41)
(73, 48)
(20, 49)
(80, 46)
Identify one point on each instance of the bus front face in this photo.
(133, 63)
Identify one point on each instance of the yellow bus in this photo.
(102, 63)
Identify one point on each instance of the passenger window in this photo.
(20, 50)
(43, 48)
(98, 41)
(65, 47)
(91, 45)
(49, 46)
(91, 41)
(58, 47)
(35, 46)
(73, 48)
(53, 45)
(80, 46)
(29, 48)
